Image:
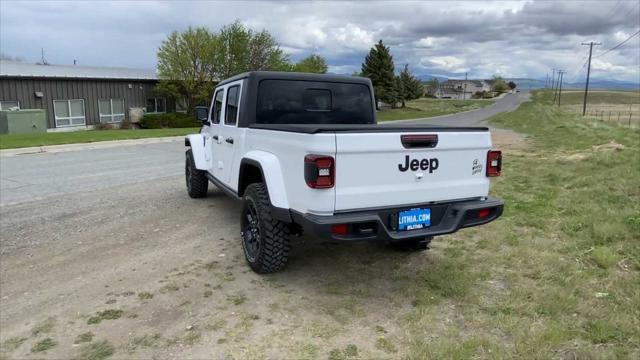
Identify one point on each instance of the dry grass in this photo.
(619, 107)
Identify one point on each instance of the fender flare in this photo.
(197, 143)
(271, 170)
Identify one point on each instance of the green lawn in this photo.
(558, 276)
(425, 107)
(27, 140)
(601, 97)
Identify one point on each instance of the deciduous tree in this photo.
(499, 85)
(239, 49)
(186, 66)
(189, 62)
(311, 64)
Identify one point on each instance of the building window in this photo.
(156, 105)
(69, 112)
(8, 105)
(111, 110)
(181, 105)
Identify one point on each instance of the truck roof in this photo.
(257, 76)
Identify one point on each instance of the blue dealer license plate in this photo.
(414, 219)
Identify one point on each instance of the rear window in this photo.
(310, 102)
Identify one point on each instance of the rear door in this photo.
(215, 129)
(380, 169)
(229, 134)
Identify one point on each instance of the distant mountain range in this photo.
(524, 83)
(593, 84)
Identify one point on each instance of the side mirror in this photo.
(202, 114)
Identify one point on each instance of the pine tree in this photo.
(410, 88)
(378, 66)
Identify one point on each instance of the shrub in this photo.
(168, 120)
(125, 124)
(102, 126)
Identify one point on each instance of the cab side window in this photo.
(231, 115)
(217, 106)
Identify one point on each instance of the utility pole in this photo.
(464, 94)
(546, 81)
(586, 86)
(43, 61)
(560, 91)
(555, 86)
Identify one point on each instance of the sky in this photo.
(513, 39)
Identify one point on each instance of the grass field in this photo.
(425, 107)
(621, 107)
(28, 140)
(601, 97)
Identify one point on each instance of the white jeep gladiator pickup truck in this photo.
(303, 153)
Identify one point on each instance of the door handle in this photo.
(215, 137)
(229, 140)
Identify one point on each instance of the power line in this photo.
(575, 73)
(617, 46)
(586, 86)
(614, 8)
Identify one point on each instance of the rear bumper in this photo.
(380, 224)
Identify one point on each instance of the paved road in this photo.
(39, 176)
(470, 118)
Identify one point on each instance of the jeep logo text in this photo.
(415, 164)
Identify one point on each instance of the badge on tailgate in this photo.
(422, 164)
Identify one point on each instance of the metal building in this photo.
(76, 97)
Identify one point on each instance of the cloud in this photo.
(449, 64)
(512, 38)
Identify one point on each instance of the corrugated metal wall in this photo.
(23, 90)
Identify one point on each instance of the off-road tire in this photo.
(273, 248)
(413, 245)
(197, 183)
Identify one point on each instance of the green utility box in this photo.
(23, 121)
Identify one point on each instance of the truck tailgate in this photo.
(380, 169)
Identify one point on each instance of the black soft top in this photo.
(252, 79)
(258, 76)
(329, 128)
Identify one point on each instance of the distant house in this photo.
(76, 97)
(456, 89)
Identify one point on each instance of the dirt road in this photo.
(143, 271)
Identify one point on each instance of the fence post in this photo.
(618, 116)
(609, 115)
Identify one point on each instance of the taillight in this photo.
(319, 171)
(494, 163)
(339, 229)
(483, 213)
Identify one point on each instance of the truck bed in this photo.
(364, 128)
